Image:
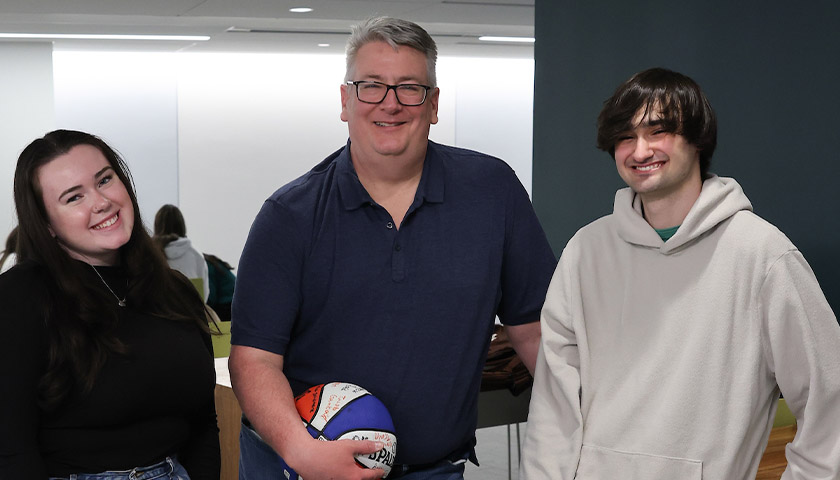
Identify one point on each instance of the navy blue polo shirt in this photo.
(327, 280)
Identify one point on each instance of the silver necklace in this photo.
(120, 301)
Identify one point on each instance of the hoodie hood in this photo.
(178, 248)
(720, 199)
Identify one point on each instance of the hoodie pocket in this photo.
(599, 463)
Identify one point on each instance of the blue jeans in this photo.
(258, 461)
(168, 469)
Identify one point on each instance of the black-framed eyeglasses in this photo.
(408, 94)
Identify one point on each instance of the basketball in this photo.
(338, 411)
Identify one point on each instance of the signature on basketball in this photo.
(334, 404)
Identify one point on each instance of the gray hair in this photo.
(395, 32)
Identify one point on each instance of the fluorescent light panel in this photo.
(85, 36)
(488, 38)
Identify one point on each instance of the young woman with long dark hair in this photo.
(107, 364)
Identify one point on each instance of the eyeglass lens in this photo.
(408, 95)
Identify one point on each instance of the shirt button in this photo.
(390, 225)
(397, 247)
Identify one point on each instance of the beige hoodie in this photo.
(664, 360)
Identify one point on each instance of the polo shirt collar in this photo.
(354, 195)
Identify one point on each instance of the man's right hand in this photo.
(266, 399)
(319, 460)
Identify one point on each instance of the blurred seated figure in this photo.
(171, 236)
(8, 257)
(222, 282)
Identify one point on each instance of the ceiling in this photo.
(268, 25)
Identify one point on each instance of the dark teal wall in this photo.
(771, 71)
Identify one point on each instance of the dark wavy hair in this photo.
(684, 108)
(80, 317)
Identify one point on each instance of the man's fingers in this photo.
(365, 447)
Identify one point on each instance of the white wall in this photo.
(494, 105)
(128, 99)
(26, 112)
(247, 125)
(216, 134)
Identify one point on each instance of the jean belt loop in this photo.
(171, 464)
(132, 475)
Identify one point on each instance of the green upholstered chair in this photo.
(784, 416)
(221, 343)
(198, 283)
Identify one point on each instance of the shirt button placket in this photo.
(397, 258)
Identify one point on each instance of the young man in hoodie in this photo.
(672, 325)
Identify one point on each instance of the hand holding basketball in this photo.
(335, 460)
(343, 411)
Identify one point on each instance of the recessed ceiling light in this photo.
(84, 36)
(300, 10)
(507, 39)
(323, 44)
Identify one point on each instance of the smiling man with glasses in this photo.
(384, 266)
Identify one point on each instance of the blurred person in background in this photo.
(171, 236)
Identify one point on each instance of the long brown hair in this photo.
(169, 226)
(81, 318)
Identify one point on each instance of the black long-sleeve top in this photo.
(154, 401)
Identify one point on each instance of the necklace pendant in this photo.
(120, 301)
